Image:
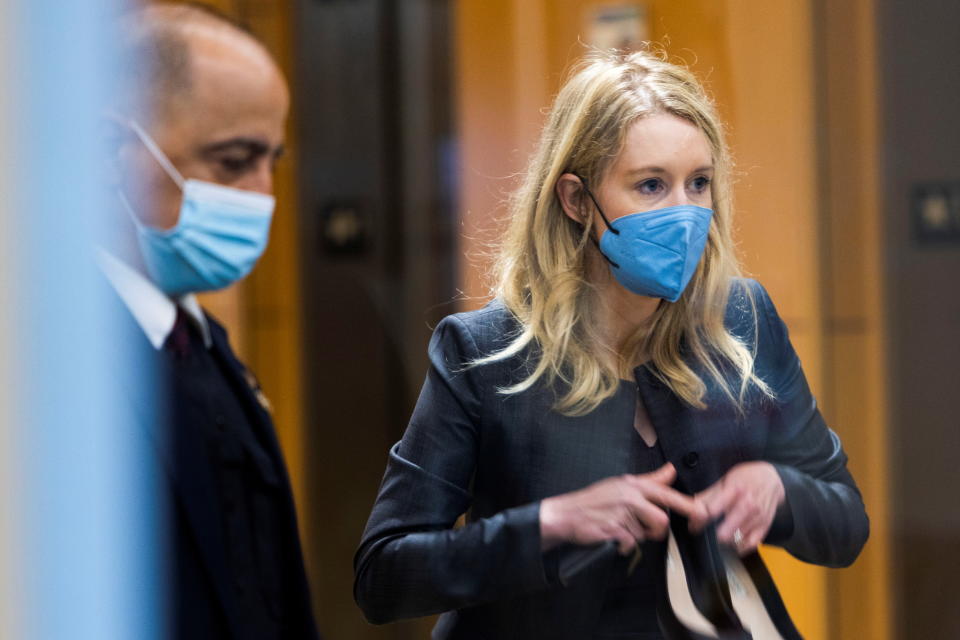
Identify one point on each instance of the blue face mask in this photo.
(655, 253)
(220, 235)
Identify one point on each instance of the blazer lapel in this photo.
(254, 402)
(674, 432)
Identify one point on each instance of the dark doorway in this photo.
(376, 156)
(920, 100)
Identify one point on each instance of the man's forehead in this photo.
(228, 58)
(233, 96)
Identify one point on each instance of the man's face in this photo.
(229, 129)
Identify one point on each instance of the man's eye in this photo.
(235, 165)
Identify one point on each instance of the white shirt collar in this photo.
(151, 308)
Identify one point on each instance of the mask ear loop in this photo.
(615, 232)
(156, 152)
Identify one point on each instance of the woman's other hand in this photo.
(628, 509)
(744, 501)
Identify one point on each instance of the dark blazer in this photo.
(200, 595)
(469, 449)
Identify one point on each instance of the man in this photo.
(194, 138)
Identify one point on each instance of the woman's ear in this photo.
(570, 194)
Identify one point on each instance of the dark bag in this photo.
(705, 591)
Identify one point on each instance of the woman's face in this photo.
(666, 161)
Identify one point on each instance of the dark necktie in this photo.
(178, 342)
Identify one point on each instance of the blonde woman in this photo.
(623, 372)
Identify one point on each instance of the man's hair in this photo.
(155, 55)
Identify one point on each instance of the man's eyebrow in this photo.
(254, 145)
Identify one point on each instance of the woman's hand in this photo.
(746, 499)
(628, 509)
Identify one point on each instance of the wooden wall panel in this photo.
(856, 397)
(486, 85)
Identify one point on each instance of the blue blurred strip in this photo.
(90, 566)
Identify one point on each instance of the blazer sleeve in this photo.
(412, 560)
(824, 520)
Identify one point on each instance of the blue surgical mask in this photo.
(220, 235)
(655, 253)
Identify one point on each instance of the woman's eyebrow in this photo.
(655, 169)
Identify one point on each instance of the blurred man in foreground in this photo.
(193, 140)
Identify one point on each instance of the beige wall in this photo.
(758, 60)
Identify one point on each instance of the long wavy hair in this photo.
(542, 271)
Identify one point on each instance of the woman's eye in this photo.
(700, 184)
(651, 186)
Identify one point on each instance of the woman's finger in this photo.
(626, 541)
(759, 528)
(719, 499)
(651, 518)
(670, 498)
(664, 475)
(739, 516)
(747, 536)
(632, 523)
(753, 540)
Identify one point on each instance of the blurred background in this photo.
(411, 119)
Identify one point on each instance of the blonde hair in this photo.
(541, 269)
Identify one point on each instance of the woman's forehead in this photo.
(664, 141)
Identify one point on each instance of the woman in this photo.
(623, 372)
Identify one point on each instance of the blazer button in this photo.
(692, 459)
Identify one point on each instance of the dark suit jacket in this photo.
(470, 449)
(200, 595)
